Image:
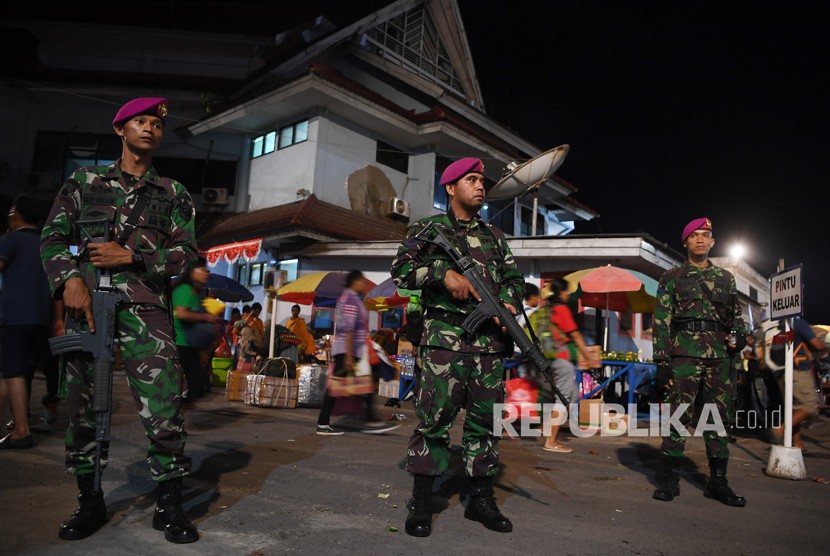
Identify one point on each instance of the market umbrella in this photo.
(227, 289)
(613, 289)
(320, 288)
(387, 295)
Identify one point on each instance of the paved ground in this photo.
(265, 484)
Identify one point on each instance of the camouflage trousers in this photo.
(156, 381)
(449, 382)
(697, 382)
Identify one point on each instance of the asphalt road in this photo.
(265, 484)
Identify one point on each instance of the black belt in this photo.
(453, 319)
(699, 326)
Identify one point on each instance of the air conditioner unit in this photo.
(214, 196)
(398, 207)
(274, 279)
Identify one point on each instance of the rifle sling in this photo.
(708, 293)
(141, 202)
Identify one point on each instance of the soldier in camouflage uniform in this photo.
(697, 326)
(458, 370)
(161, 246)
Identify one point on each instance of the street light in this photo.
(737, 251)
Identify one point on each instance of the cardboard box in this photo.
(389, 388)
(593, 362)
(236, 385)
(404, 347)
(271, 391)
(617, 426)
(590, 412)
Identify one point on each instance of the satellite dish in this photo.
(528, 176)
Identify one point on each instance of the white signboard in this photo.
(786, 294)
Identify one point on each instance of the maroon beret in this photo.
(694, 225)
(144, 105)
(461, 168)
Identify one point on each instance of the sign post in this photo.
(786, 302)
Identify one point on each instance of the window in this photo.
(500, 215)
(293, 134)
(287, 136)
(393, 157)
(257, 274)
(264, 144)
(439, 192)
(242, 274)
(291, 267)
(301, 131)
(753, 293)
(270, 143)
(527, 223)
(256, 146)
(59, 153)
(323, 320)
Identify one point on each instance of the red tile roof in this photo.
(310, 214)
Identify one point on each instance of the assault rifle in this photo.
(490, 305)
(101, 344)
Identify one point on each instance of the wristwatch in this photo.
(138, 258)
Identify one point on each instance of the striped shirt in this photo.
(352, 316)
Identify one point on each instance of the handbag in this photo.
(200, 335)
(342, 383)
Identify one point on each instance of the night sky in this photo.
(673, 111)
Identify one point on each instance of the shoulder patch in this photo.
(184, 206)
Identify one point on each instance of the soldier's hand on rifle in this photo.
(459, 287)
(109, 255)
(77, 300)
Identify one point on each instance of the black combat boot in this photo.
(169, 516)
(419, 520)
(719, 488)
(669, 481)
(481, 506)
(90, 515)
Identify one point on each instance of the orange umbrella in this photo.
(613, 289)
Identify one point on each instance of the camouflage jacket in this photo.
(164, 235)
(680, 298)
(422, 266)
